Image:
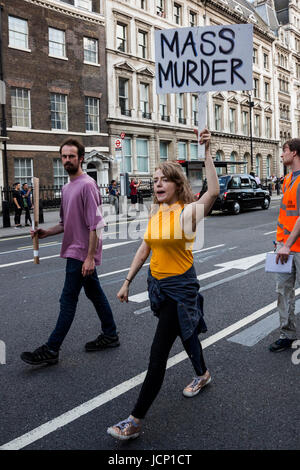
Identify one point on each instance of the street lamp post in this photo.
(251, 105)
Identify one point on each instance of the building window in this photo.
(59, 117)
(180, 108)
(232, 120)
(269, 165)
(57, 43)
(142, 44)
(255, 88)
(217, 117)
(267, 91)
(142, 155)
(127, 154)
(90, 47)
(195, 109)
(144, 100)
(143, 5)
(123, 96)
(121, 37)
(257, 166)
(18, 32)
(192, 19)
(23, 170)
(254, 56)
(160, 7)
(84, 4)
(245, 122)
(163, 108)
(163, 151)
(182, 151)
(266, 61)
(194, 151)
(59, 173)
(20, 107)
(177, 13)
(218, 159)
(92, 114)
(268, 127)
(232, 159)
(257, 125)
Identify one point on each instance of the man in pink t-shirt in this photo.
(80, 217)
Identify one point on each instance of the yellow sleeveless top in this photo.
(171, 250)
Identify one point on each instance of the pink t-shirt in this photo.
(80, 213)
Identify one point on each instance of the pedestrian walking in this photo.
(27, 203)
(288, 233)
(18, 203)
(172, 282)
(114, 195)
(80, 217)
(134, 192)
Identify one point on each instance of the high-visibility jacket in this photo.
(289, 210)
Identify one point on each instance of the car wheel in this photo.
(265, 205)
(236, 208)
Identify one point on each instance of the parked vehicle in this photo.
(238, 192)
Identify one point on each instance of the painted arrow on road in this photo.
(241, 263)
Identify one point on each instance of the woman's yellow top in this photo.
(171, 249)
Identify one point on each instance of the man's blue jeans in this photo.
(74, 281)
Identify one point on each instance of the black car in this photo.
(238, 192)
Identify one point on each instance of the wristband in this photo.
(129, 280)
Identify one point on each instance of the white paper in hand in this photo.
(272, 267)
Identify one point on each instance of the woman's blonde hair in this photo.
(174, 172)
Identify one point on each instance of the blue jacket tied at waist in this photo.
(184, 290)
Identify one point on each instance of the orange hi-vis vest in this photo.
(289, 210)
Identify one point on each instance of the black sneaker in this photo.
(281, 344)
(42, 355)
(103, 342)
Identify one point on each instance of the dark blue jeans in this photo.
(74, 281)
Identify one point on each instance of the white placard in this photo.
(209, 58)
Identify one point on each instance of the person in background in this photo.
(114, 195)
(172, 281)
(134, 193)
(27, 203)
(18, 203)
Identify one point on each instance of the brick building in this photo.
(56, 81)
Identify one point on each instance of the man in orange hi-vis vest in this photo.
(288, 239)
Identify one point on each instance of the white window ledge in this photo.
(20, 128)
(57, 57)
(19, 48)
(91, 63)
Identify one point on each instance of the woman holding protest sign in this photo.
(172, 282)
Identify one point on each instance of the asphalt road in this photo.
(251, 403)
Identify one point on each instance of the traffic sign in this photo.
(122, 135)
(118, 144)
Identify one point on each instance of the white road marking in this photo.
(105, 247)
(81, 410)
(268, 233)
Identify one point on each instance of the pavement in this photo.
(51, 217)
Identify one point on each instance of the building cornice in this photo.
(69, 10)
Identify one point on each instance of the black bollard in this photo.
(41, 214)
(5, 214)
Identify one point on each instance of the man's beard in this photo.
(71, 169)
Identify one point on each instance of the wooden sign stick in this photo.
(36, 191)
(202, 121)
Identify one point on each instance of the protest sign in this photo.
(201, 59)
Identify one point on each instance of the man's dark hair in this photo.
(75, 143)
(16, 184)
(294, 145)
(24, 184)
(112, 181)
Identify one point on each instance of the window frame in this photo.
(89, 51)
(64, 56)
(59, 112)
(26, 34)
(16, 126)
(97, 115)
(22, 178)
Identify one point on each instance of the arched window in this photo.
(232, 159)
